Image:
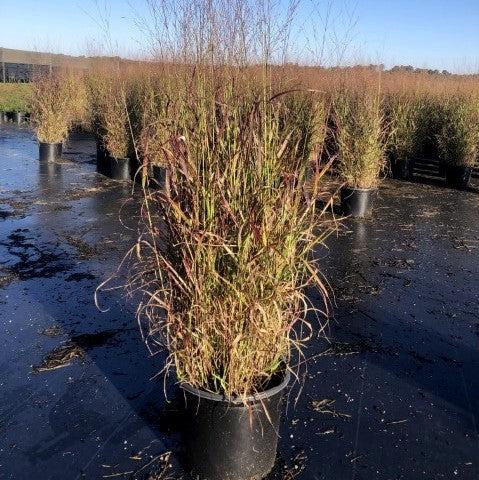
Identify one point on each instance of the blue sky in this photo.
(430, 33)
(440, 33)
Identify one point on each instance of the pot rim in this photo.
(216, 397)
(48, 143)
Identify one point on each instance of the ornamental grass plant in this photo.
(15, 97)
(458, 135)
(401, 119)
(151, 130)
(110, 100)
(226, 255)
(359, 135)
(225, 260)
(56, 104)
(428, 124)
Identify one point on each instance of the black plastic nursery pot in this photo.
(136, 168)
(117, 168)
(155, 175)
(158, 176)
(402, 169)
(357, 202)
(228, 440)
(49, 152)
(102, 157)
(18, 117)
(458, 176)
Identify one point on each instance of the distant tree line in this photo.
(380, 68)
(402, 68)
(411, 69)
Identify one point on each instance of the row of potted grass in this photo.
(374, 134)
(443, 126)
(118, 108)
(13, 117)
(371, 132)
(14, 102)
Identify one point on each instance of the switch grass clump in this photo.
(359, 135)
(458, 136)
(226, 256)
(401, 117)
(114, 126)
(58, 100)
(15, 97)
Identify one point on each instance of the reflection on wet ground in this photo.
(394, 394)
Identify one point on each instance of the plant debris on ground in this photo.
(63, 355)
(59, 357)
(326, 406)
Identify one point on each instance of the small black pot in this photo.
(117, 168)
(228, 440)
(136, 169)
(458, 176)
(18, 117)
(158, 176)
(402, 169)
(101, 151)
(357, 202)
(49, 152)
(102, 158)
(442, 170)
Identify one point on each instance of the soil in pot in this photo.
(357, 202)
(458, 176)
(402, 169)
(49, 152)
(230, 440)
